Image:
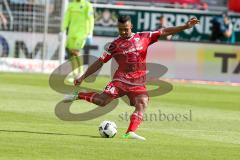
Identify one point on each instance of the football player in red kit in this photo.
(129, 50)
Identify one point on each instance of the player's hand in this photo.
(78, 81)
(192, 22)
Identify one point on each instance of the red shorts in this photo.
(118, 89)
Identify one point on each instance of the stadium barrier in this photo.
(190, 61)
(28, 65)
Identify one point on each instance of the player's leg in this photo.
(111, 92)
(76, 62)
(140, 104)
(74, 46)
(102, 99)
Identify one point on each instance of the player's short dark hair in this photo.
(124, 19)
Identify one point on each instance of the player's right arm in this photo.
(91, 69)
(94, 67)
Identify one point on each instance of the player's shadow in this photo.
(48, 133)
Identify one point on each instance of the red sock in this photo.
(88, 96)
(135, 121)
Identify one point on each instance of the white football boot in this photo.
(132, 135)
(70, 97)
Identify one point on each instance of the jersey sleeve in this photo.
(154, 36)
(107, 54)
(151, 36)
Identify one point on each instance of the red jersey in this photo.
(130, 55)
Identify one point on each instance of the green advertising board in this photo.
(147, 19)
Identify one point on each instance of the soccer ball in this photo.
(107, 129)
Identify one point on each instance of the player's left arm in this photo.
(172, 30)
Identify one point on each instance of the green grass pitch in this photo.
(29, 129)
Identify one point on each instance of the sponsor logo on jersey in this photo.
(133, 50)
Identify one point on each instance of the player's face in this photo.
(125, 29)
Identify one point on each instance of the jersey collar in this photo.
(129, 37)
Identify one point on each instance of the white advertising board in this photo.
(184, 60)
